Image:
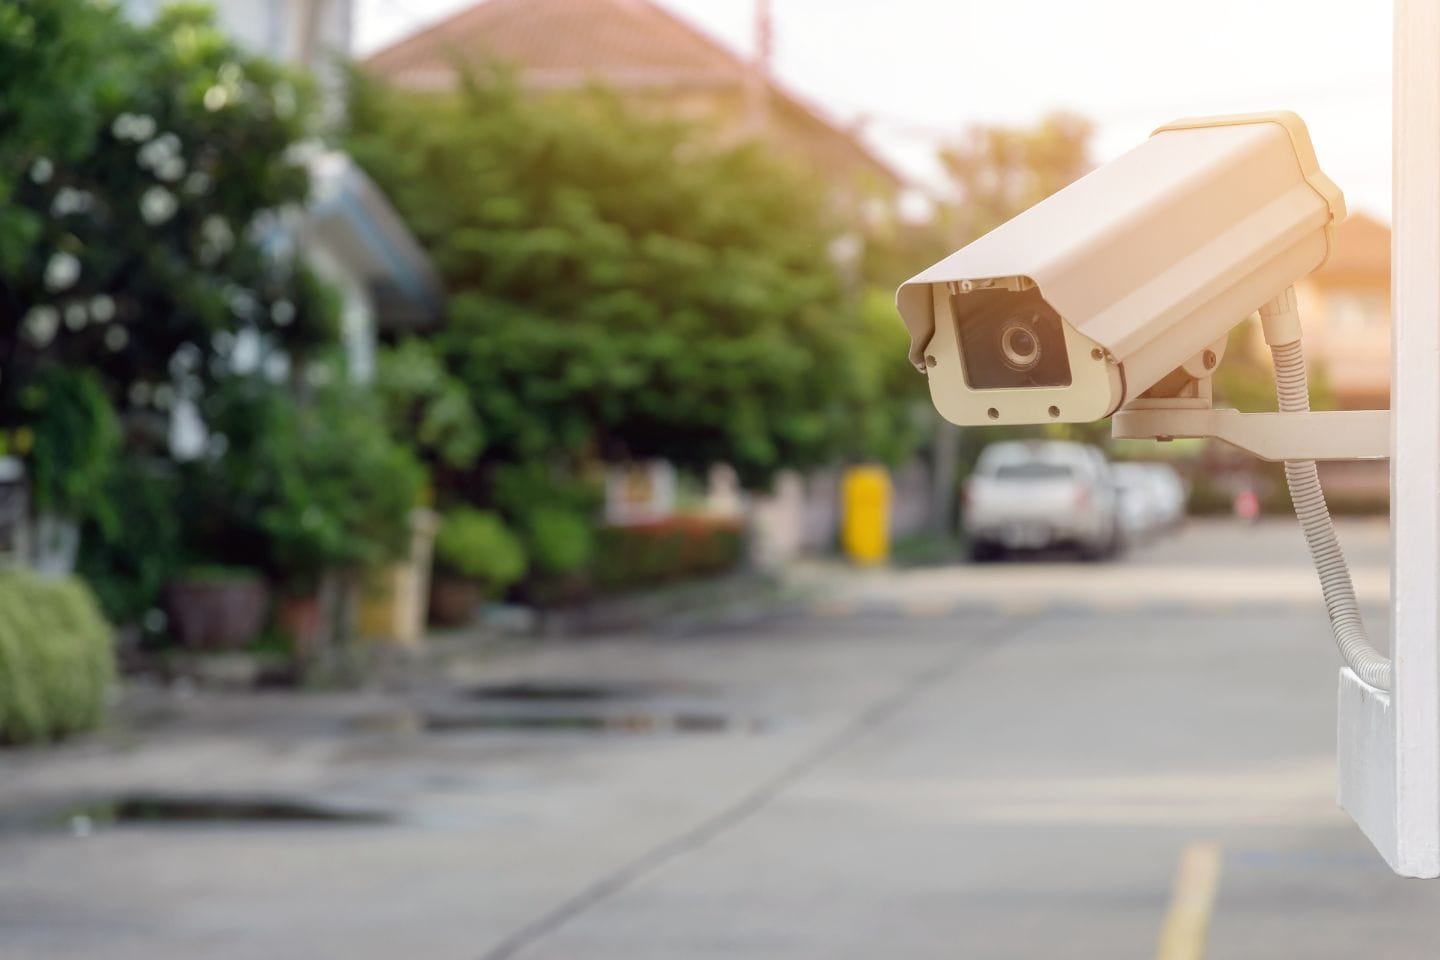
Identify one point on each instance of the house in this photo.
(1345, 313)
(654, 58)
(1345, 308)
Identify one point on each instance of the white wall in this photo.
(311, 34)
(298, 32)
(357, 311)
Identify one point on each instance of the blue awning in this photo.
(351, 216)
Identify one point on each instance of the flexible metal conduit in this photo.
(1281, 321)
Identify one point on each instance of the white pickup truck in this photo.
(1035, 495)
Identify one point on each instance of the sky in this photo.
(911, 73)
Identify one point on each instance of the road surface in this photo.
(1031, 760)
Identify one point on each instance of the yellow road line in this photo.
(1188, 921)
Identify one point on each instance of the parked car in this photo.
(1152, 499)
(1172, 493)
(1144, 504)
(1034, 495)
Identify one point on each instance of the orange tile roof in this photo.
(626, 42)
(561, 44)
(1362, 251)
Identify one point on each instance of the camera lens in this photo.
(1010, 339)
(1019, 345)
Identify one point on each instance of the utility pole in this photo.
(307, 40)
(758, 77)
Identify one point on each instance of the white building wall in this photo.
(314, 35)
(298, 32)
(357, 311)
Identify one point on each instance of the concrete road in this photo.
(1027, 760)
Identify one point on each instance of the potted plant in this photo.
(132, 547)
(475, 556)
(216, 607)
(341, 499)
(305, 540)
(561, 544)
(313, 492)
(69, 440)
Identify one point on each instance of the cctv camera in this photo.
(1134, 272)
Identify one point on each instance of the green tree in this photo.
(423, 402)
(140, 234)
(624, 288)
(998, 172)
(147, 176)
(49, 84)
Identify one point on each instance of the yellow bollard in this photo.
(394, 599)
(865, 517)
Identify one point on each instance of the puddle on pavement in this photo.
(535, 691)
(584, 706)
(159, 809)
(628, 721)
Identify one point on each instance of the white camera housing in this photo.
(1138, 270)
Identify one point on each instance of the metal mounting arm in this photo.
(1318, 435)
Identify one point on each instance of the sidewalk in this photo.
(179, 738)
(1212, 564)
(488, 829)
(926, 784)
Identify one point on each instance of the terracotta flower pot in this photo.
(217, 611)
(299, 619)
(453, 600)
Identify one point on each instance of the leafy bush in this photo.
(132, 546)
(1213, 494)
(72, 435)
(476, 544)
(302, 489)
(519, 489)
(610, 301)
(130, 241)
(928, 549)
(56, 658)
(345, 491)
(675, 549)
(1209, 497)
(422, 401)
(561, 541)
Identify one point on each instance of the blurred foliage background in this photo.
(626, 288)
(619, 287)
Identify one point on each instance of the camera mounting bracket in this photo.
(1317, 435)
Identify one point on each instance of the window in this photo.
(1034, 470)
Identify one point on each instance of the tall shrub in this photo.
(56, 658)
(141, 166)
(302, 488)
(627, 288)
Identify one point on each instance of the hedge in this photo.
(676, 549)
(57, 658)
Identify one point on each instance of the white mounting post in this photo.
(1317, 435)
(1389, 743)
